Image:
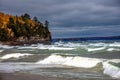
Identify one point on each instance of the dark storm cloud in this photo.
(74, 14)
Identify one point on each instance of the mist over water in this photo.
(96, 60)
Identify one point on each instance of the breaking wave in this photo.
(95, 49)
(6, 47)
(84, 62)
(15, 55)
(46, 47)
(1, 50)
(70, 54)
(71, 61)
(89, 47)
(112, 69)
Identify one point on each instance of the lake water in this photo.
(81, 60)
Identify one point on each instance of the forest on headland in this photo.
(23, 29)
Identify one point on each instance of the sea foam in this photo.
(1, 50)
(95, 49)
(111, 70)
(6, 46)
(14, 55)
(71, 61)
(22, 66)
(46, 47)
(113, 49)
(84, 62)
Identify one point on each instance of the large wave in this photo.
(71, 61)
(110, 66)
(84, 62)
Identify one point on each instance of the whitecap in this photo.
(46, 47)
(71, 61)
(6, 46)
(115, 44)
(59, 48)
(111, 70)
(95, 49)
(53, 47)
(97, 44)
(14, 55)
(27, 47)
(113, 49)
(1, 50)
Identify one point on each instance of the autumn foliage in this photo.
(13, 27)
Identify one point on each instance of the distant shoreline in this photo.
(17, 43)
(87, 38)
(14, 43)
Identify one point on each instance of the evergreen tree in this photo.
(35, 19)
(10, 23)
(3, 35)
(46, 24)
(26, 16)
(22, 26)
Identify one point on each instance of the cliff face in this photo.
(22, 29)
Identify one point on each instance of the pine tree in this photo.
(46, 24)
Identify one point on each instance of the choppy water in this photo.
(98, 60)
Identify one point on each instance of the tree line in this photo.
(17, 26)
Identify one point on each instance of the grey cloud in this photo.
(85, 31)
(64, 13)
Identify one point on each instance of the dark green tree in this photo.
(23, 26)
(35, 19)
(3, 35)
(46, 23)
(11, 23)
(26, 16)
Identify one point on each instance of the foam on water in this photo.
(84, 62)
(22, 66)
(56, 60)
(95, 49)
(91, 46)
(15, 55)
(115, 44)
(59, 48)
(6, 46)
(71, 61)
(12, 67)
(111, 70)
(66, 60)
(46, 47)
(113, 49)
(1, 50)
(53, 47)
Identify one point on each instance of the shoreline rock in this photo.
(13, 43)
(23, 40)
(20, 30)
(16, 43)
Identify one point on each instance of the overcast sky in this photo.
(71, 18)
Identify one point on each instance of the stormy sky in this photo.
(71, 18)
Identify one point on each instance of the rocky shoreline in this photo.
(20, 30)
(22, 41)
(15, 43)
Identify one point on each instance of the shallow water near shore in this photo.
(96, 60)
